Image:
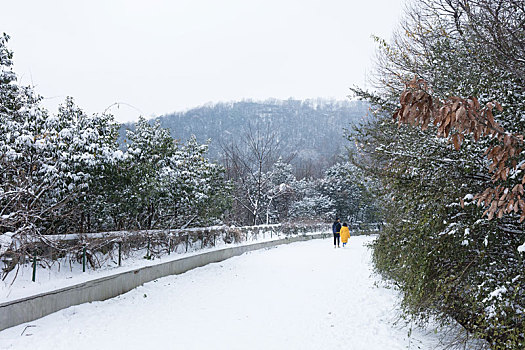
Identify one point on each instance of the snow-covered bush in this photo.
(447, 257)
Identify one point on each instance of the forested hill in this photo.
(313, 129)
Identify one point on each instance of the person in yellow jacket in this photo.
(345, 233)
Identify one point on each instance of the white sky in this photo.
(161, 56)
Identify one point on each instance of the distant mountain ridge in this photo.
(313, 129)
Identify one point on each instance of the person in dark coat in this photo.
(336, 229)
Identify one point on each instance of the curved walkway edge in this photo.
(27, 309)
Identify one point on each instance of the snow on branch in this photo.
(456, 118)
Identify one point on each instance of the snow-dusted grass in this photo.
(304, 295)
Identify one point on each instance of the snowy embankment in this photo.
(300, 296)
(67, 271)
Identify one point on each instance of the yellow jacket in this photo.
(345, 234)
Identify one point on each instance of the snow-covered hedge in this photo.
(100, 247)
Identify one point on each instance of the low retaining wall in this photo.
(23, 310)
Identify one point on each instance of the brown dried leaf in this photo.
(403, 97)
(510, 205)
(505, 174)
(461, 113)
(455, 140)
(507, 140)
(406, 111)
(490, 117)
(476, 102)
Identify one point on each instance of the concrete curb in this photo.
(16, 312)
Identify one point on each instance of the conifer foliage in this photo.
(451, 164)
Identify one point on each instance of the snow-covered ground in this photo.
(304, 295)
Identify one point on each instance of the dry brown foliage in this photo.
(457, 117)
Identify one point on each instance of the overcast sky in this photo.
(160, 56)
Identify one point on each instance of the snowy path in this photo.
(304, 295)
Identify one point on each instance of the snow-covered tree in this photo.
(310, 203)
(168, 183)
(446, 256)
(149, 150)
(194, 188)
(90, 142)
(248, 164)
(47, 162)
(280, 194)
